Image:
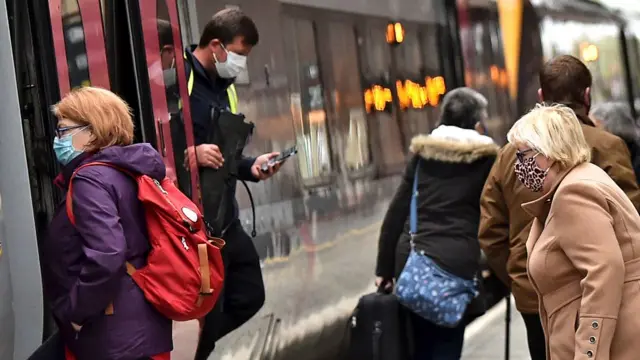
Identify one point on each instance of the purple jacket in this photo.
(84, 266)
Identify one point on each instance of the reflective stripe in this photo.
(233, 98)
(232, 95)
(190, 82)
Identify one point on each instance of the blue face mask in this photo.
(65, 152)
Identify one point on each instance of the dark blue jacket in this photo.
(208, 93)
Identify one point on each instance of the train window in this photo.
(308, 105)
(348, 103)
(387, 142)
(418, 92)
(484, 67)
(633, 44)
(597, 45)
(159, 50)
(75, 45)
(165, 68)
(74, 25)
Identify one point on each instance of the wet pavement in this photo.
(320, 283)
(485, 337)
(316, 285)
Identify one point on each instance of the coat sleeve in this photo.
(244, 169)
(616, 161)
(493, 233)
(393, 224)
(589, 242)
(104, 247)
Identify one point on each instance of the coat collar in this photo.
(540, 207)
(63, 177)
(582, 113)
(453, 144)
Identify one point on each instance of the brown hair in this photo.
(108, 115)
(228, 24)
(564, 79)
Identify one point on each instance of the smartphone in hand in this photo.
(280, 158)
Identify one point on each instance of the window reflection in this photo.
(633, 44)
(75, 46)
(163, 71)
(307, 105)
(348, 102)
(375, 64)
(485, 70)
(357, 145)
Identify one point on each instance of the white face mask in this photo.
(231, 68)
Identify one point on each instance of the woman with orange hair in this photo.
(101, 313)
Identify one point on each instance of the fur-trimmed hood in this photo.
(453, 144)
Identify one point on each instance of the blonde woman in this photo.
(84, 265)
(584, 246)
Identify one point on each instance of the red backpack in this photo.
(184, 272)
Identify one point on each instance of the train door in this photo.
(20, 289)
(73, 31)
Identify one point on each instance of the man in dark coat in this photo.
(212, 66)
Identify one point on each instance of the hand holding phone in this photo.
(280, 158)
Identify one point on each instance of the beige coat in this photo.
(584, 264)
(504, 225)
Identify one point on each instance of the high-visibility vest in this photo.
(232, 95)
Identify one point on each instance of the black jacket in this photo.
(209, 93)
(454, 164)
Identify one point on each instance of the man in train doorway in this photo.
(212, 66)
(505, 226)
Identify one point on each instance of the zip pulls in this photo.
(77, 328)
(160, 187)
(185, 222)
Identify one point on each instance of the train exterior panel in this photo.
(348, 82)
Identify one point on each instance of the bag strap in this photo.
(69, 204)
(413, 211)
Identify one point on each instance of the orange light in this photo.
(399, 31)
(410, 94)
(391, 38)
(435, 88)
(395, 33)
(377, 98)
(495, 74)
(504, 79)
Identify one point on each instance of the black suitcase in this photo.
(377, 329)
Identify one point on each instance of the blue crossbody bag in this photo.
(425, 288)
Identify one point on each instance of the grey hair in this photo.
(616, 118)
(463, 107)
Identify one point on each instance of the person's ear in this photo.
(540, 97)
(587, 97)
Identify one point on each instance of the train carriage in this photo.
(348, 82)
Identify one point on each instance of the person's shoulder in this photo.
(600, 139)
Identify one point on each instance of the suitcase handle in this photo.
(382, 288)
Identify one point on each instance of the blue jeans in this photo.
(433, 342)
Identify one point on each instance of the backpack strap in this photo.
(69, 206)
(205, 276)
